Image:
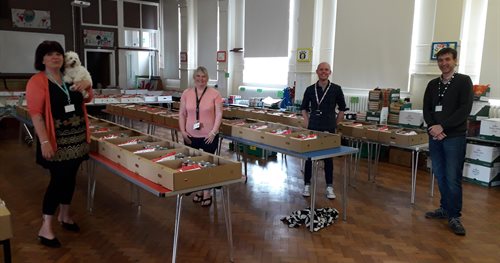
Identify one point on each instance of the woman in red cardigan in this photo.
(60, 119)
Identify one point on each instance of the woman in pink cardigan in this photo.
(60, 119)
(200, 116)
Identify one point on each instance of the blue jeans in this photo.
(448, 158)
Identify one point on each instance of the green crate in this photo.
(253, 150)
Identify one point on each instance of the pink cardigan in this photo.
(38, 99)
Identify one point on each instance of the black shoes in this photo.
(439, 213)
(456, 226)
(70, 227)
(49, 242)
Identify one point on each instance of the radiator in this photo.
(357, 103)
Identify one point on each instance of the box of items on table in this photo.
(164, 162)
(150, 114)
(392, 135)
(279, 135)
(106, 96)
(286, 118)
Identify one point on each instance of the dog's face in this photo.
(71, 60)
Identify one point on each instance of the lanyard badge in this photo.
(197, 124)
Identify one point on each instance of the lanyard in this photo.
(324, 94)
(198, 101)
(442, 92)
(63, 87)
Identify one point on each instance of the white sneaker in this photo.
(307, 191)
(329, 192)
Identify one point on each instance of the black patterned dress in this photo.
(72, 146)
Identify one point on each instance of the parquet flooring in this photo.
(381, 226)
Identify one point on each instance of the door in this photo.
(101, 65)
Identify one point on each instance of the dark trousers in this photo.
(448, 158)
(328, 167)
(328, 171)
(61, 186)
(199, 143)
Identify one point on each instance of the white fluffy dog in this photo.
(74, 71)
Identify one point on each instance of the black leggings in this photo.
(61, 186)
(199, 143)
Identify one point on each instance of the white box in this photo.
(483, 153)
(481, 173)
(150, 98)
(100, 100)
(411, 117)
(165, 98)
(490, 128)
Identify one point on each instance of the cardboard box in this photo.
(397, 137)
(139, 163)
(375, 95)
(400, 157)
(482, 154)
(169, 176)
(110, 150)
(5, 222)
(490, 129)
(480, 110)
(294, 143)
(411, 118)
(355, 129)
(486, 175)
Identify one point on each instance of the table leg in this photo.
(245, 161)
(344, 189)
(432, 182)
(227, 217)
(6, 251)
(91, 182)
(378, 149)
(219, 146)
(177, 225)
(414, 166)
(369, 159)
(313, 193)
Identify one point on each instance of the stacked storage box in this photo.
(379, 101)
(482, 164)
(480, 109)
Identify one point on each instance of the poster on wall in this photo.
(98, 38)
(436, 46)
(304, 54)
(30, 18)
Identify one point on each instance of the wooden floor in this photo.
(381, 226)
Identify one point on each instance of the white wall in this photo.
(490, 67)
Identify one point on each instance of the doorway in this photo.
(101, 65)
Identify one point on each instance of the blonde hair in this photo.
(202, 70)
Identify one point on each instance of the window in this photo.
(266, 70)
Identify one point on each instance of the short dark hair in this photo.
(447, 50)
(43, 49)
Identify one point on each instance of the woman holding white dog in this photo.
(59, 116)
(200, 116)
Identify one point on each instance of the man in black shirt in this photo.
(447, 104)
(318, 109)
